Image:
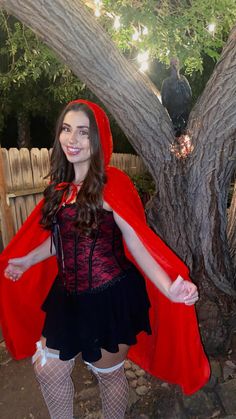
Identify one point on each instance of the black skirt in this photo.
(87, 322)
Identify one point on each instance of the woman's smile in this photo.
(73, 151)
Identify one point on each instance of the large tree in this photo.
(190, 204)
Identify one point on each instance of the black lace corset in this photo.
(87, 263)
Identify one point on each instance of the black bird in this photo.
(176, 95)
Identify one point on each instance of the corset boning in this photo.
(87, 263)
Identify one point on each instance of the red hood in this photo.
(103, 128)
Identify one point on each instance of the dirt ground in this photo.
(20, 397)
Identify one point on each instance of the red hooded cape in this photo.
(173, 352)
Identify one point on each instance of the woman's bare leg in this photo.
(109, 359)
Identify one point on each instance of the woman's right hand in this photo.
(16, 267)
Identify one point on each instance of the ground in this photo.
(150, 398)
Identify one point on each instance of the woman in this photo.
(98, 305)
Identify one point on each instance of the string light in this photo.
(98, 4)
(142, 58)
(145, 30)
(136, 35)
(211, 27)
(109, 15)
(97, 12)
(144, 67)
(182, 147)
(117, 23)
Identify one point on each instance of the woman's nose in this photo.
(73, 137)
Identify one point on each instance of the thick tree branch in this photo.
(213, 119)
(93, 57)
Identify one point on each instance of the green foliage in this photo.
(31, 77)
(144, 184)
(175, 28)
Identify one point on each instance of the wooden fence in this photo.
(22, 182)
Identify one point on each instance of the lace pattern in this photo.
(87, 263)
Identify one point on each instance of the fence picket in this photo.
(6, 169)
(16, 172)
(21, 211)
(17, 184)
(45, 164)
(9, 188)
(36, 167)
(27, 177)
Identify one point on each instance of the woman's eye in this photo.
(83, 133)
(65, 129)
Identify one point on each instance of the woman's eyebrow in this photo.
(79, 126)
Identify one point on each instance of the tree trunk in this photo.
(201, 184)
(231, 226)
(23, 128)
(189, 208)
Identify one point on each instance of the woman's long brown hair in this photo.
(89, 198)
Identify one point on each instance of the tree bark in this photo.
(201, 184)
(189, 208)
(231, 226)
(23, 128)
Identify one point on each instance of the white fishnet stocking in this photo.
(57, 387)
(114, 390)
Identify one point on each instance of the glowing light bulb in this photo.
(143, 56)
(117, 23)
(145, 30)
(144, 67)
(97, 12)
(135, 36)
(211, 27)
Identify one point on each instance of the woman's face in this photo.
(74, 137)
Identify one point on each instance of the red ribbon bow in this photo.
(64, 186)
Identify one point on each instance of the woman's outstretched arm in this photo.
(17, 266)
(177, 291)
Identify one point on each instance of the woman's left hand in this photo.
(182, 291)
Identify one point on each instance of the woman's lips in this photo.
(73, 151)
